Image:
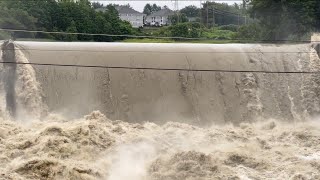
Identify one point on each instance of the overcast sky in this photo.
(139, 4)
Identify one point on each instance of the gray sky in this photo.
(138, 5)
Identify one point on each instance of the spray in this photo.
(28, 91)
(22, 90)
(9, 78)
(57, 148)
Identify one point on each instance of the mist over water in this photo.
(95, 147)
(29, 93)
(51, 146)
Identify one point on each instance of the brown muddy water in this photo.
(42, 143)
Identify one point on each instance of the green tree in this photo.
(281, 19)
(62, 16)
(214, 13)
(180, 30)
(147, 9)
(250, 32)
(44, 11)
(155, 8)
(191, 11)
(191, 30)
(178, 18)
(97, 5)
(16, 19)
(72, 29)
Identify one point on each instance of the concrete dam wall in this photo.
(195, 97)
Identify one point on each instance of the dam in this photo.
(196, 84)
(118, 111)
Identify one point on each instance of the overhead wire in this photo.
(165, 69)
(158, 51)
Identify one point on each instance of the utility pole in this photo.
(200, 11)
(207, 14)
(244, 7)
(176, 6)
(213, 17)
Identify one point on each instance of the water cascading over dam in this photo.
(196, 97)
(186, 111)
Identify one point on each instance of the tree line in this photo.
(281, 20)
(270, 20)
(262, 19)
(61, 16)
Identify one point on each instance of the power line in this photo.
(167, 52)
(275, 13)
(166, 69)
(226, 14)
(151, 37)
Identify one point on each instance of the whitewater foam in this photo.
(95, 147)
(28, 90)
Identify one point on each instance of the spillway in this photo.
(236, 111)
(196, 97)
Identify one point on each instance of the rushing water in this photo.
(193, 97)
(95, 147)
(41, 145)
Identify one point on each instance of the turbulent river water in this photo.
(95, 147)
(38, 144)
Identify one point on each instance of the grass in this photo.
(145, 40)
(219, 34)
(148, 40)
(208, 36)
(36, 39)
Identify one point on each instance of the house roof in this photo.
(126, 10)
(121, 10)
(163, 12)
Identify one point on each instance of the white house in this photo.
(128, 14)
(159, 18)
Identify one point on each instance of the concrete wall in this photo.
(194, 97)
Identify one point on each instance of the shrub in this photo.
(230, 27)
